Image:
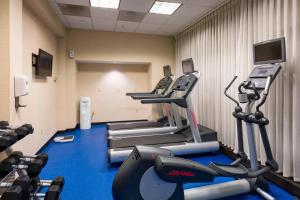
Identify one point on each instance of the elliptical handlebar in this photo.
(226, 89)
(248, 85)
(265, 93)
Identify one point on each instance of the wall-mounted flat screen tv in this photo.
(44, 64)
(269, 52)
(188, 66)
(167, 70)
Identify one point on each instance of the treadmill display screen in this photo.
(188, 66)
(167, 70)
(269, 52)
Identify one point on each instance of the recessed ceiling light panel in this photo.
(165, 8)
(105, 3)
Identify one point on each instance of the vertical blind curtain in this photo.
(221, 46)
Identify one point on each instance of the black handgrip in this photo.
(154, 96)
(159, 100)
(137, 93)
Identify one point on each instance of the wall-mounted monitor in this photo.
(269, 52)
(44, 64)
(167, 70)
(188, 66)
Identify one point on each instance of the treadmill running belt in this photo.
(146, 140)
(135, 125)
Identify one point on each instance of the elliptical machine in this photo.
(153, 173)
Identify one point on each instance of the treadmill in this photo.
(170, 122)
(190, 139)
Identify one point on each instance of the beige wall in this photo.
(107, 85)
(4, 60)
(28, 33)
(118, 47)
(52, 104)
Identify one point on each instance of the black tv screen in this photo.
(167, 70)
(44, 64)
(188, 66)
(268, 52)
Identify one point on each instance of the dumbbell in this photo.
(23, 189)
(54, 186)
(18, 189)
(5, 142)
(53, 193)
(7, 138)
(24, 130)
(20, 132)
(18, 155)
(4, 124)
(32, 168)
(11, 134)
(58, 181)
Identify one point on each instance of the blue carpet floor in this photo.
(83, 163)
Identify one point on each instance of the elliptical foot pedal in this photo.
(238, 171)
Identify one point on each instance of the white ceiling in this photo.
(107, 19)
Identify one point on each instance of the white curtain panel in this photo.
(221, 46)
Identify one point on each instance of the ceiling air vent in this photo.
(74, 10)
(131, 16)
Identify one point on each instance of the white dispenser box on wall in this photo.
(85, 113)
(21, 85)
(21, 89)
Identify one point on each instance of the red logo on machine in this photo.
(180, 173)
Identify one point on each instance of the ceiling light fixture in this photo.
(165, 8)
(105, 3)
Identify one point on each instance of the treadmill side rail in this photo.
(145, 131)
(116, 156)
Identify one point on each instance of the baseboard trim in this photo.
(286, 183)
(123, 121)
(59, 132)
(48, 142)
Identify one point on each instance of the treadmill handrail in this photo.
(141, 97)
(152, 96)
(179, 101)
(139, 93)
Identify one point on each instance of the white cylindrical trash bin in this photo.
(85, 113)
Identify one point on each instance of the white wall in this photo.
(107, 85)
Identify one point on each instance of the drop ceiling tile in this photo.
(75, 2)
(123, 26)
(75, 10)
(204, 3)
(156, 18)
(104, 24)
(136, 5)
(131, 16)
(79, 22)
(58, 12)
(148, 28)
(104, 13)
(190, 11)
